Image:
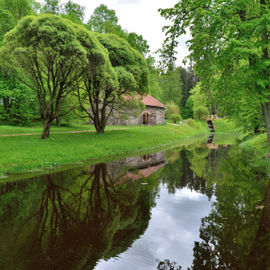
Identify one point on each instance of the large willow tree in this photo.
(98, 88)
(45, 54)
(124, 73)
(53, 57)
(229, 45)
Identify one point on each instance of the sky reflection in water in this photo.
(172, 230)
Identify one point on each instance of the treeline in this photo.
(53, 65)
(229, 47)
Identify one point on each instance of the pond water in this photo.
(200, 206)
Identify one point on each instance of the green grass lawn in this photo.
(29, 153)
(37, 127)
(225, 126)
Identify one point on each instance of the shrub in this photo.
(172, 108)
(191, 123)
(201, 112)
(175, 118)
(18, 102)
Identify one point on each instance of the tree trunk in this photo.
(47, 129)
(99, 126)
(266, 115)
(58, 121)
(41, 110)
(100, 129)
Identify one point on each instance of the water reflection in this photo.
(81, 217)
(235, 235)
(149, 212)
(168, 265)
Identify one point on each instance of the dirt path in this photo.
(54, 132)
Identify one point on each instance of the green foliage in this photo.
(100, 83)
(121, 54)
(256, 148)
(41, 46)
(237, 219)
(243, 106)
(17, 8)
(175, 118)
(18, 101)
(154, 87)
(36, 50)
(172, 108)
(103, 20)
(200, 110)
(51, 6)
(188, 109)
(108, 75)
(137, 42)
(36, 6)
(230, 48)
(11, 11)
(171, 86)
(6, 22)
(73, 12)
(189, 81)
(69, 10)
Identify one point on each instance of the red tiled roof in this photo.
(143, 173)
(147, 100)
(151, 101)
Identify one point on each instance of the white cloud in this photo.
(187, 194)
(172, 230)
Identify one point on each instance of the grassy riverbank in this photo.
(255, 146)
(258, 149)
(225, 126)
(30, 153)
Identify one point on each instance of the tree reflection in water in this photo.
(235, 235)
(92, 219)
(168, 265)
(190, 169)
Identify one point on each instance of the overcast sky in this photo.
(140, 16)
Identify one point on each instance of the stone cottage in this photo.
(132, 168)
(154, 113)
